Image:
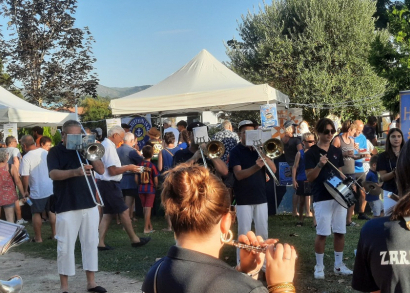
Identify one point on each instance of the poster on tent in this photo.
(269, 116)
(112, 122)
(10, 129)
(140, 127)
(285, 174)
(405, 114)
(294, 114)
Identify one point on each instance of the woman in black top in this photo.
(198, 204)
(386, 164)
(383, 256)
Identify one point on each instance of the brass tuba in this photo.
(273, 148)
(12, 285)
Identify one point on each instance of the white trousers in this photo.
(69, 225)
(259, 214)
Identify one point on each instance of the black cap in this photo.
(194, 125)
(125, 126)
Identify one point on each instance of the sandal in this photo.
(352, 224)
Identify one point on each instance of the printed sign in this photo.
(269, 116)
(113, 122)
(201, 134)
(285, 174)
(140, 127)
(405, 114)
(10, 129)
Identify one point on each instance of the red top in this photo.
(8, 194)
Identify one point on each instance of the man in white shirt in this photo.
(110, 189)
(168, 128)
(34, 173)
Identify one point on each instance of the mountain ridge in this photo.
(119, 92)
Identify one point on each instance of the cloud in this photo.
(174, 32)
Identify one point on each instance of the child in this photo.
(300, 182)
(374, 200)
(147, 183)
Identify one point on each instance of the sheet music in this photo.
(7, 231)
(253, 136)
(11, 235)
(266, 134)
(201, 134)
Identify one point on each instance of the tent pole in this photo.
(276, 198)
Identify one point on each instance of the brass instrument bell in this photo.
(273, 148)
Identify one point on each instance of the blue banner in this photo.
(140, 127)
(269, 116)
(405, 114)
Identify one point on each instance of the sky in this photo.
(143, 42)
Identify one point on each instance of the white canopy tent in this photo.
(203, 84)
(16, 110)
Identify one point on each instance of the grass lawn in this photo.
(135, 262)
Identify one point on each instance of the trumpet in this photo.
(272, 148)
(214, 149)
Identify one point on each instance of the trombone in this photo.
(214, 149)
(272, 148)
(91, 151)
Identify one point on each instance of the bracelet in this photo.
(319, 166)
(288, 286)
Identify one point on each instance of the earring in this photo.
(226, 239)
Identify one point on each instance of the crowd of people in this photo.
(197, 201)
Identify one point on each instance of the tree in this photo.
(96, 109)
(7, 83)
(49, 56)
(315, 51)
(391, 55)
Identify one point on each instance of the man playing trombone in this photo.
(193, 154)
(250, 184)
(76, 212)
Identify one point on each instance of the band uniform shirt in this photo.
(109, 159)
(291, 149)
(127, 156)
(312, 158)
(146, 178)
(383, 257)
(185, 270)
(251, 190)
(384, 163)
(229, 139)
(72, 193)
(34, 165)
(362, 141)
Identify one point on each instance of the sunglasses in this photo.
(310, 141)
(328, 131)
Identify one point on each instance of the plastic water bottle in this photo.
(29, 202)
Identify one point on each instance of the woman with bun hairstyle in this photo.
(383, 256)
(198, 204)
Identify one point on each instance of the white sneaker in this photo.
(342, 270)
(21, 221)
(319, 272)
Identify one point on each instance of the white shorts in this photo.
(376, 206)
(330, 216)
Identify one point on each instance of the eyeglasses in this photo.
(310, 141)
(328, 131)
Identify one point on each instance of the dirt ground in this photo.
(40, 275)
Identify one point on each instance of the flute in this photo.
(246, 246)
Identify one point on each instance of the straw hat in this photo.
(153, 133)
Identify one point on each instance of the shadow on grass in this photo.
(135, 262)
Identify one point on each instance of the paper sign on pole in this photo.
(269, 116)
(113, 122)
(10, 129)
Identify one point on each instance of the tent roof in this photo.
(203, 84)
(16, 110)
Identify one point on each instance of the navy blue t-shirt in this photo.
(184, 155)
(312, 158)
(251, 190)
(372, 177)
(384, 163)
(73, 193)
